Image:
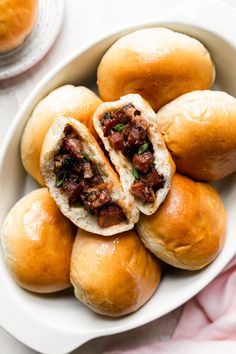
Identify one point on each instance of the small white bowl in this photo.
(59, 323)
(37, 44)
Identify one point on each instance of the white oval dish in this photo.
(59, 323)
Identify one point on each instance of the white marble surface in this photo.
(83, 20)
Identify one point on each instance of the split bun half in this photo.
(78, 215)
(163, 162)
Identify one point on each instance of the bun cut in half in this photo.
(82, 181)
(114, 276)
(157, 63)
(137, 149)
(37, 242)
(200, 131)
(188, 230)
(17, 19)
(79, 103)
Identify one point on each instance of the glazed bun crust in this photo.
(200, 131)
(77, 102)
(157, 63)
(37, 242)
(188, 230)
(115, 275)
(17, 19)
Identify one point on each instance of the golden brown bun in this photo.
(17, 18)
(157, 63)
(37, 241)
(200, 131)
(77, 102)
(188, 230)
(114, 275)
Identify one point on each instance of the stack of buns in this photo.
(114, 206)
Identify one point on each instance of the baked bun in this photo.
(77, 102)
(188, 230)
(115, 275)
(200, 131)
(17, 19)
(137, 150)
(37, 241)
(157, 63)
(81, 180)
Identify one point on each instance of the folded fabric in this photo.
(211, 315)
(207, 324)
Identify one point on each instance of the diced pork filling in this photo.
(78, 177)
(126, 130)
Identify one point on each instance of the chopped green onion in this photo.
(95, 169)
(61, 177)
(143, 148)
(108, 115)
(119, 127)
(86, 156)
(135, 173)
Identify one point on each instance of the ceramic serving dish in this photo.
(59, 323)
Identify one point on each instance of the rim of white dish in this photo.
(46, 29)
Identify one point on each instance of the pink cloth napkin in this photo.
(207, 324)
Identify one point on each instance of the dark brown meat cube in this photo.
(107, 124)
(102, 198)
(76, 193)
(127, 151)
(131, 111)
(153, 179)
(119, 116)
(126, 129)
(98, 179)
(142, 163)
(73, 189)
(95, 199)
(86, 185)
(69, 132)
(140, 122)
(60, 160)
(137, 112)
(88, 172)
(78, 168)
(72, 146)
(110, 215)
(123, 115)
(136, 136)
(117, 141)
(142, 192)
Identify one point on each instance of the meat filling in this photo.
(126, 130)
(78, 177)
